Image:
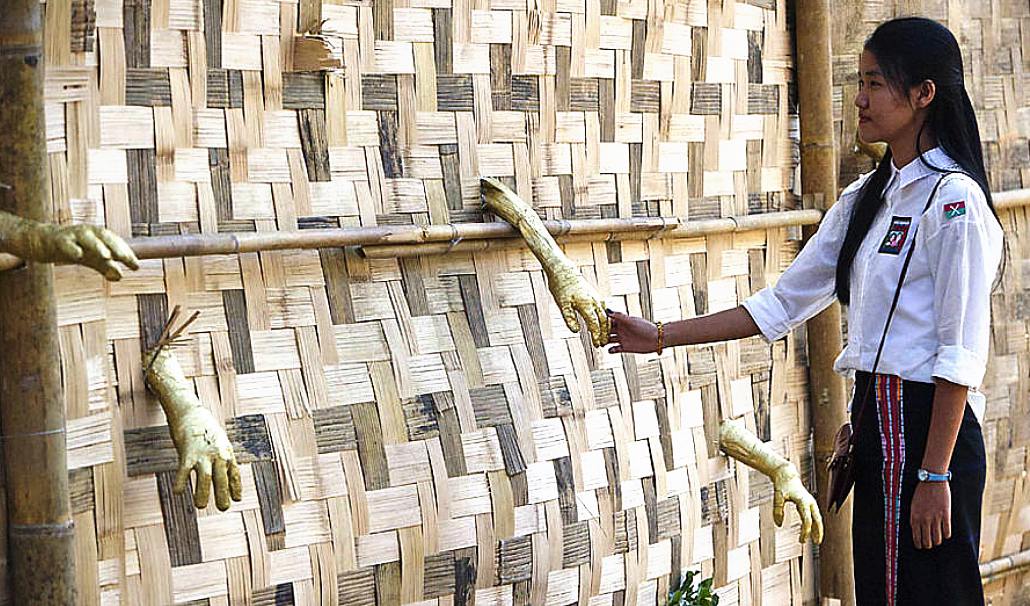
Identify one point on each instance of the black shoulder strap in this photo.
(894, 306)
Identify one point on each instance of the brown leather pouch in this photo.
(841, 469)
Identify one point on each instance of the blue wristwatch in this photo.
(928, 476)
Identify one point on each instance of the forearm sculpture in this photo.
(90, 245)
(736, 441)
(200, 440)
(569, 289)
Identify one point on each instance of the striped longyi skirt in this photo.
(889, 447)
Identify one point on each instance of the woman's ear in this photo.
(921, 95)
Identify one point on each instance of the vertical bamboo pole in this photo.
(39, 531)
(819, 188)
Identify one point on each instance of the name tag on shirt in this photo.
(896, 235)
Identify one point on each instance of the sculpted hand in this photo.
(787, 486)
(204, 448)
(738, 442)
(90, 245)
(200, 440)
(570, 290)
(631, 334)
(573, 294)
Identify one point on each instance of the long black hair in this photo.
(910, 51)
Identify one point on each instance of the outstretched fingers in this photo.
(571, 321)
(119, 248)
(95, 245)
(221, 479)
(606, 326)
(69, 249)
(778, 503)
(235, 483)
(182, 477)
(817, 523)
(203, 492)
(98, 255)
(806, 522)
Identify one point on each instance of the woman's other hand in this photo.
(931, 514)
(630, 334)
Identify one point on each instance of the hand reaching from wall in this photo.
(202, 444)
(736, 441)
(570, 290)
(90, 245)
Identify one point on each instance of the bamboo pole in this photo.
(162, 247)
(382, 242)
(1013, 198)
(675, 229)
(997, 569)
(819, 189)
(40, 531)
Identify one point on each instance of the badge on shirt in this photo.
(896, 235)
(954, 209)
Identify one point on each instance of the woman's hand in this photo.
(632, 335)
(931, 514)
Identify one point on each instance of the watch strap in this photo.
(929, 476)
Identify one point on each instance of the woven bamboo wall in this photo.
(995, 40)
(424, 431)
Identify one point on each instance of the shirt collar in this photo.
(917, 169)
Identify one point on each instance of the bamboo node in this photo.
(32, 434)
(59, 529)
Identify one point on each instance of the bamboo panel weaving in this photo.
(425, 430)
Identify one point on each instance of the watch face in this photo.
(922, 475)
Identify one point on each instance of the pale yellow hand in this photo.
(570, 290)
(204, 448)
(787, 486)
(875, 151)
(744, 446)
(200, 440)
(90, 245)
(572, 293)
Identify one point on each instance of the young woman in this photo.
(916, 526)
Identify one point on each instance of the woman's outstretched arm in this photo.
(637, 335)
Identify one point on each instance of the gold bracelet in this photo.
(661, 337)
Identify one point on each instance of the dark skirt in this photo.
(889, 448)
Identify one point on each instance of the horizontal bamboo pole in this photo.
(192, 245)
(1013, 198)
(384, 241)
(1004, 566)
(674, 229)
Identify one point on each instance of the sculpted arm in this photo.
(570, 290)
(89, 245)
(736, 441)
(200, 440)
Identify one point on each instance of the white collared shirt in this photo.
(941, 327)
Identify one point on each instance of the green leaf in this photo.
(687, 595)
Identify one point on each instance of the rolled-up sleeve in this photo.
(807, 286)
(964, 246)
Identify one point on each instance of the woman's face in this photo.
(884, 114)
